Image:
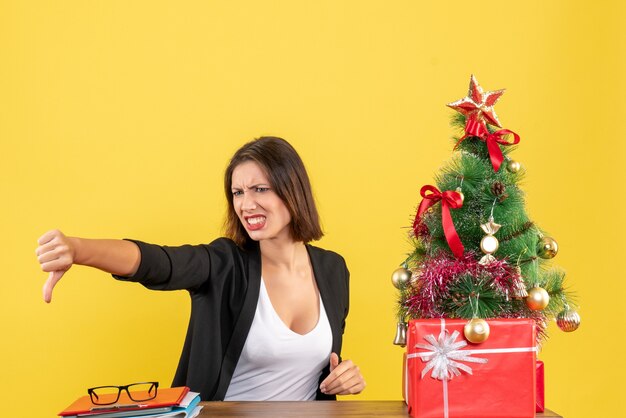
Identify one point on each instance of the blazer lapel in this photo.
(243, 323)
(323, 274)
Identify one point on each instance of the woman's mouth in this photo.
(255, 222)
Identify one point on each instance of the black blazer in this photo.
(223, 281)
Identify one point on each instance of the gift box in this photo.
(449, 377)
(541, 404)
(404, 376)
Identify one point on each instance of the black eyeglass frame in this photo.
(94, 396)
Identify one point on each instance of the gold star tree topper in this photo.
(478, 108)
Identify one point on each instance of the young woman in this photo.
(268, 309)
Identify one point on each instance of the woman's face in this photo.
(262, 213)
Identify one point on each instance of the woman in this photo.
(268, 310)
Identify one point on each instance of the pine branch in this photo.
(516, 233)
(472, 297)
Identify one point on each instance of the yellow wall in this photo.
(117, 118)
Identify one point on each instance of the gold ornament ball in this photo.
(400, 277)
(460, 192)
(568, 320)
(547, 247)
(476, 330)
(537, 298)
(513, 166)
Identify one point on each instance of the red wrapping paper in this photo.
(502, 387)
(541, 404)
(404, 378)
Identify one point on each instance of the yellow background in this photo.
(117, 119)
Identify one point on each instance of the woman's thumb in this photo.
(334, 361)
(53, 279)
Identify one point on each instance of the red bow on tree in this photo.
(478, 110)
(449, 200)
(495, 153)
(492, 140)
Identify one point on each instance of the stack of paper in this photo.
(170, 402)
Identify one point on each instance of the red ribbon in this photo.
(449, 199)
(495, 153)
(475, 128)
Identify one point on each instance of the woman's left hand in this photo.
(344, 379)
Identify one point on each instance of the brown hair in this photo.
(289, 180)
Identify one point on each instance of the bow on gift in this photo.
(444, 356)
(449, 199)
(492, 139)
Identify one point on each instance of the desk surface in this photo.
(389, 409)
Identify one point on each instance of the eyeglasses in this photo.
(138, 392)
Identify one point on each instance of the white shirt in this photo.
(278, 364)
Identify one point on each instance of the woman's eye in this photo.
(262, 189)
(237, 193)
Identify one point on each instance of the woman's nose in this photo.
(248, 202)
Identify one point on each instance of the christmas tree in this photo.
(476, 254)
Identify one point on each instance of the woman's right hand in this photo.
(56, 255)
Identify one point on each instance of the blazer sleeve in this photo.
(346, 295)
(182, 267)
